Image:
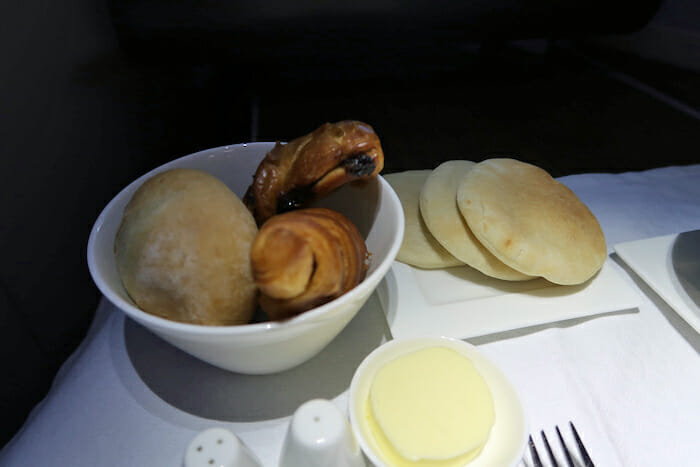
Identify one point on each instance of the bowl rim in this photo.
(311, 316)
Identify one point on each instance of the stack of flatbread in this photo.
(506, 218)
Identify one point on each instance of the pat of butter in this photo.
(430, 407)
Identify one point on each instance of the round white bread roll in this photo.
(438, 206)
(532, 222)
(183, 250)
(418, 247)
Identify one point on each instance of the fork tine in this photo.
(581, 449)
(533, 452)
(569, 460)
(549, 450)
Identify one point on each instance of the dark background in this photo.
(94, 93)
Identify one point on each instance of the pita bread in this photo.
(531, 222)
(418, 248)
(438, 206)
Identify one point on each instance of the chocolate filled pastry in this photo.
(293, 174)
(305, 258)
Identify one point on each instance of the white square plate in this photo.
(670, 265)
(462, 303)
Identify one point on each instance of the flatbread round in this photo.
(438, 206)
(531, 222)
(418, 248)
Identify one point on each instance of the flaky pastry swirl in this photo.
(313, 165)
(305, 258)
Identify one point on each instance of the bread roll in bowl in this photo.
(183, 248)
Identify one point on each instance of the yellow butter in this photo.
(430, 407)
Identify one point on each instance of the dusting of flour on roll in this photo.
(183, 250)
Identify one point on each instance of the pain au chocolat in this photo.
(293, 174)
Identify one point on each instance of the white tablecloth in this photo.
(630, 381)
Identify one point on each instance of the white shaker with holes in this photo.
(319, 435)
(218, 447)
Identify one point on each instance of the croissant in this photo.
(313, 165)
(305, 258)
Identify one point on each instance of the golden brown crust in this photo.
(305, 258)
(313, 165)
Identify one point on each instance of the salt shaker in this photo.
(218, 447)
(319, 435)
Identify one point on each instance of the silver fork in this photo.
(587, 462)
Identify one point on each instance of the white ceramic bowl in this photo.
(506, 443)
(267, 347)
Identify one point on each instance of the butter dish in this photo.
(506, 442)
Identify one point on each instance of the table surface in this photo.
(629, 380)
